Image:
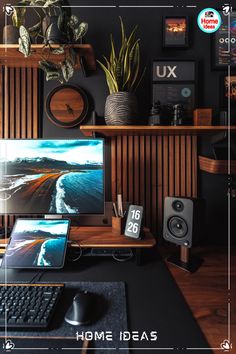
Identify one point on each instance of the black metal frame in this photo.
(186, 45)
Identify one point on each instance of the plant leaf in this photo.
(110, 80)
(67, 69)
(51, 70)
(73, 22)
(18, 16)
(60, 21)
(57, 51)
(73, 56)
(51, 2)
(34, 30)
(136, 65)
(24, 41)
(48, 32)
(80, 31)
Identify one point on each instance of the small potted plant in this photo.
(123, 76)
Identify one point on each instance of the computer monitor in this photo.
(56, 176)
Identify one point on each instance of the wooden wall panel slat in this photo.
(6, 103)
(194, 167)
(23, 103)
(177, 165)
(35, 103)
(142, 172)
(1, 101)
(159, 182)
(148, 181)
(119, 165)
(113, 168)
(130, 169)
(125, 168)
(136, 171)
(18, 103)
(189, 166)
(165, 166)
(156, 167)
(29, 102)
(154, 184)
(12, 104)
(19, 109)
(171, 167)
(182, 166)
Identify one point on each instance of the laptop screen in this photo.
(37, 243)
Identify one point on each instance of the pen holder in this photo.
(118, 225)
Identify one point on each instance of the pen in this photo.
(115, 209)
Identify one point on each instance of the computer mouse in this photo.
(81, 312)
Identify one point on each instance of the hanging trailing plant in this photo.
(69, 28)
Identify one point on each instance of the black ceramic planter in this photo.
(55, 35)
(10, 34)
(121, 109)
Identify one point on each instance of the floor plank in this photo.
(206, 293)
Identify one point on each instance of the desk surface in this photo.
(153, 299)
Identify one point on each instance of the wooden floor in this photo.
(206, 293)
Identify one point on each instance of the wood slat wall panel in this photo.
(19, 109)
(155, 167)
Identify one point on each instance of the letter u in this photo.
(163, 74)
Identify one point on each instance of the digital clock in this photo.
(134, 221)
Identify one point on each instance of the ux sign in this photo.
(173, 70)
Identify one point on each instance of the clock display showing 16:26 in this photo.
(134, 221)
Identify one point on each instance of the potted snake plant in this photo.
(123, 76)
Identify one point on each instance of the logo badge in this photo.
(226, 345)
(209, 20)
(227, 9)
(8, 345)
(8, 9)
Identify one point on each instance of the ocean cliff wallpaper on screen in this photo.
(37, 243)
(51, 176)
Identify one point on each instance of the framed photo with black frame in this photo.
(174, 81)
(221, 55)
(175, 32)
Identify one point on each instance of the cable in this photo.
(39, 274)
(80, 251)
(125, 259)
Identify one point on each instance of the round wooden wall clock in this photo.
(67, 106)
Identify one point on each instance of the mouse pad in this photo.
(111, 316)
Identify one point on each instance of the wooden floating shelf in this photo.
(217, 166)
(109, 131)
(11, 57)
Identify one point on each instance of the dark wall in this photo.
(102, 22)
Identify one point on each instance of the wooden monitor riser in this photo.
(101, 237)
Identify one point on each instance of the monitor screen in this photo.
(37, 243)
(52, 176)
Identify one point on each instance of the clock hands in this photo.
(69, 109)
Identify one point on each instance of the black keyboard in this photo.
(28, 305)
